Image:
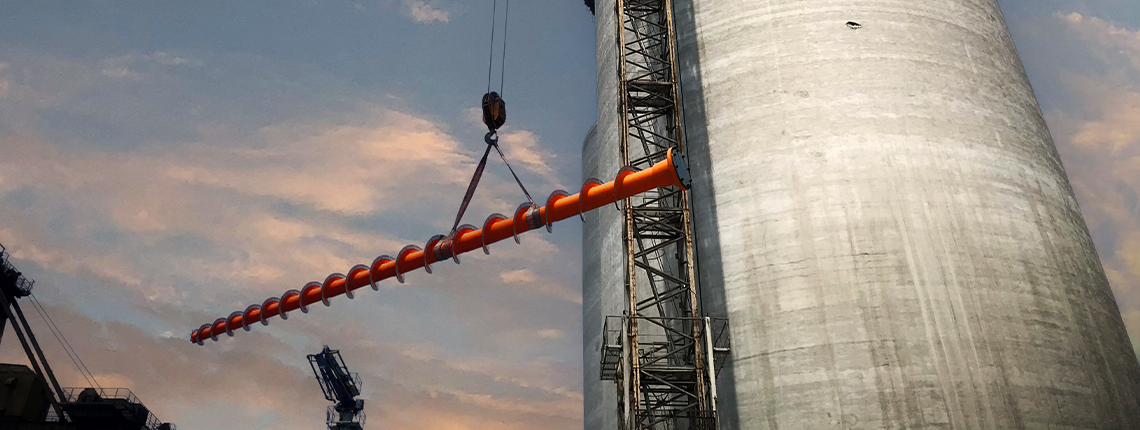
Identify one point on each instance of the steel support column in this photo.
(661, 376)
(32, 358)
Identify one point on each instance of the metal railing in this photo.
(7, 270)
(71, 395)
(332, 417)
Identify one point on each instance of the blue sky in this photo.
(162, 164)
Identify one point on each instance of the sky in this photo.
(165, 163)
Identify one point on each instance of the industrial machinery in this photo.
(340, 387)
(33, 399)
(672, 171)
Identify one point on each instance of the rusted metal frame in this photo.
(641, 137)
(669, 399)
(649, 72)
(652, 282)
(652, 32)
(660, 323)
(650, 114)
(647, 303)
(653, 62)
(678, 388)
(641, 99)
(645, 18)
(644, 141)
(686, 221)
(650, 87)
(643, 118)
(668, 409)
(645, 43)
(664, 351)
(670, 294)
(658, 246)
(655, 209)
(643, 160)
(654, 87)
(653, 152)
(639, 45)
(666, 194)
(659, 292)
(659, 235)
(664, 217)
(660, 148)
(660, 224)
(647, 98)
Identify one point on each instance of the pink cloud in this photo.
(1110, 42)
(1099, 140)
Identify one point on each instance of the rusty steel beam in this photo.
(672, 171)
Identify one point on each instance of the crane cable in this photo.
(67, 348)
(491, 51)
(492, 137)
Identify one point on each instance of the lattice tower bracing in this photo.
(657, 352)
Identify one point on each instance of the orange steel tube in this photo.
(670, 172)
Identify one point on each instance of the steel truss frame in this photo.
(660, 353)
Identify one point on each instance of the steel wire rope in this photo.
(491, 54)
(70, 350)
(37, 307)
(503, 65)
(63, 341)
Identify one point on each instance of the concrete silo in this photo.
(880, 211)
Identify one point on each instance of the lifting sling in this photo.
(494, 116)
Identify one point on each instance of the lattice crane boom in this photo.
(339, 386)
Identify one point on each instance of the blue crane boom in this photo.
(339, 386)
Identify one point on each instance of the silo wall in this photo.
(603, 260)
(881, 212)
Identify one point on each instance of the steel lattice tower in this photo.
(658, 353)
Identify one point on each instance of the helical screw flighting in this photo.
(673, 171)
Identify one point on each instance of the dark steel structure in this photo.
(660, 353)
(340, 386)
(13, 285)
(33, 399)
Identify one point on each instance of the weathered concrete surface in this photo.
(603, 252)
(882, 213)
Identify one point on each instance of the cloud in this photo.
(523, 147)
(4, 84)
(520, 276)
(406, 386)
(134, 65)
(1111, 43)
(425, 13)
(132, 246)
(1098, 136)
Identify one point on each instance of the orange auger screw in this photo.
(673, 171)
